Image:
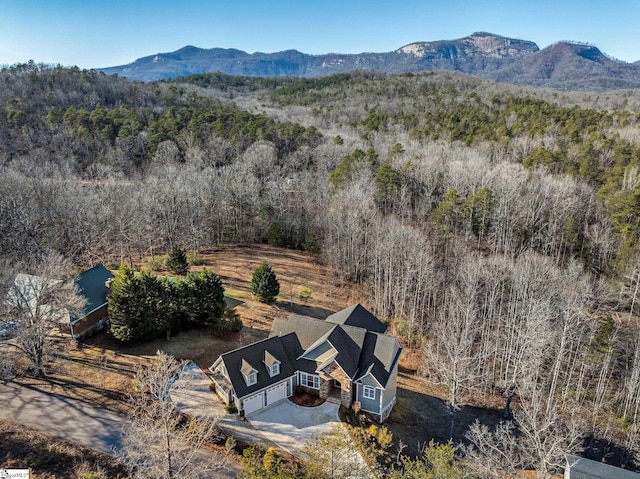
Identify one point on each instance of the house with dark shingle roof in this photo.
(348, 352)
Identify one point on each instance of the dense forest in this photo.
(495, 227)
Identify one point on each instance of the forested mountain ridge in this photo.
(564, 66)
(495, 227)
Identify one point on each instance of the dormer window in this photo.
(249, 372)
(272, 364)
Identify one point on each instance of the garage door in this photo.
(276, 393)
(253, 404)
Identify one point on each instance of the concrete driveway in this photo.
(290, 426)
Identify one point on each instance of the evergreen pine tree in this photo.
(204, 297)
(177, 261)
(127, 304)
(264, 284)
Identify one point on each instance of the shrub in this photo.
(304, 294)
(230, 444)
(231, 321)
(264, 284)
(155, 263)
(177, 261)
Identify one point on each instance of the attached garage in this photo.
(276, 393)
(253, 403)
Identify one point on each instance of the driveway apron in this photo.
(290, 426)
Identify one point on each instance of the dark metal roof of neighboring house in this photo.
(380, 353)
(91, 285)
(359, 317)
(579, 467)
(254, 354)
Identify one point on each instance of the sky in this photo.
(97, 33)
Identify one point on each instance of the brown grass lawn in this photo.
(99, 369)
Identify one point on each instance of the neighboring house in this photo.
(348, 352)
(91, 285)
(581, 468)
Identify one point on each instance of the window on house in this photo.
(252, 378)
(309, 381)
(271, 363)
(368, 392)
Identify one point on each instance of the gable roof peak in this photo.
(358, 316)
(246, 368)
(269, 359)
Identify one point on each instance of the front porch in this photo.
(335, 386)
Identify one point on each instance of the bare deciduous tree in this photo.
(37, 303)
(160, 442)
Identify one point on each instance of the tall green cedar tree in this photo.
(177, 261)
(127, 304)
(204, 297)
(141, 306)
(264, 284)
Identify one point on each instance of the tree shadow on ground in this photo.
(232, 302)
(304, 309)
(418, 418)
(602, 450)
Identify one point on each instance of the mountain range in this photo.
(563, 65)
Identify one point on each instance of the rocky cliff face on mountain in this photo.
(565, 66)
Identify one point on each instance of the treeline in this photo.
(91, 124)
(599, 146)
(499, 268)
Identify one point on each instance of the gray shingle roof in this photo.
(380, 353)
(308, 330)
(358, 316)
(348, 342)
(359, 351)
(254, 354)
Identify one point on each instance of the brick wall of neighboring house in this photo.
(85, 324)
(346, 387)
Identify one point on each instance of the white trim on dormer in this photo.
(249, 373)
(271, 363)
(274, 369)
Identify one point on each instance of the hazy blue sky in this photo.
(97, 33)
